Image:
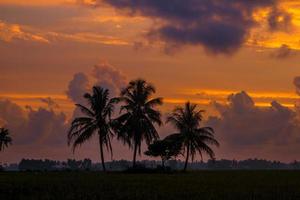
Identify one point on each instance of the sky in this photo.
(239, 60)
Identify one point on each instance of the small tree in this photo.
(165, 149)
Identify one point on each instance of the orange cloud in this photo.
(261, 98)
(205, 97)
(262, 37)
(35, 2)
(89, 38)
(10, 32)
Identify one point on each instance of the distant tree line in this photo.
(121, 165)
(51, 165)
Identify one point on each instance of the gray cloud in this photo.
(242, 123)
(109, 77)
(103, 74)
(77, 87)
(33, 127)
(279, 20)
(297, 84)
(220, 26)
(283, 52)
(11, 114)
(50, 102)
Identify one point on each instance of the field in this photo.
(192, 185)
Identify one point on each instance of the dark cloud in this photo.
(283, 52)
(242, 123)
(221, 26)
(11, 114)
(103, 74)
(77, 87)
(109, 77)
(297, 84)
(33, 127)
(50, 102)
(279, 20)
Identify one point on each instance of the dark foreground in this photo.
(193, 185)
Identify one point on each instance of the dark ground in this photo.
(244, 185)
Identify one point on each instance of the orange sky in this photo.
(103, 33)
(44, 43)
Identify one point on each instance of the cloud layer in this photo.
(31, 127)
(10, 32)
(103, 74)
(220, 26)
(242, 123)
(284, 51)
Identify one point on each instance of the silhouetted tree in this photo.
(194, 138)
(165, 149)
(139, 115)
(97, 121)
(5, 139)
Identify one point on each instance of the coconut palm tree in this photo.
(138, 116)
(195, 139)
(97, 121)
(5, 139)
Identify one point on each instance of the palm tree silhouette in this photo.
(136, 124)
(5, 139)
(193, 137)
(97, 120)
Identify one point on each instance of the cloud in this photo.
(106, 75)
(42, 132)
(103, 74)
(10, 32)
(11, 114)
(284, 51)
(220, 26)
(50, 102)
(279, 20)
(77, 87)
(69, 23)
(14, 32)
(241, 123)
(36, 133)
(297, 84)
(86, 37)
(33, 127)
(44, 126)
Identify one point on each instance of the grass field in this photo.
(244, 185)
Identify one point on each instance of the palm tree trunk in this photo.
(101, 153)
(187, 157)
(134, 155)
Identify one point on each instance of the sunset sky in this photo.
(239, 60)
